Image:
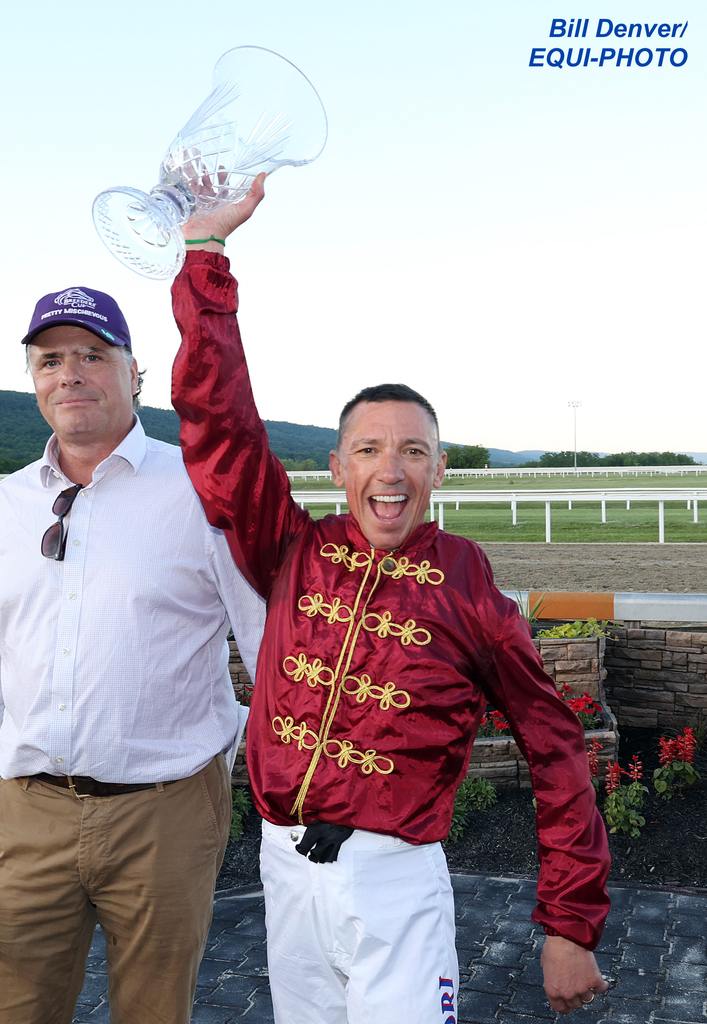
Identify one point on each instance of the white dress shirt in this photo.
(114, 661)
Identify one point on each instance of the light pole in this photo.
(574, 405)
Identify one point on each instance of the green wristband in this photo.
(201, 241)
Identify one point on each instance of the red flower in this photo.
(667, 750)
(635, 772)
(493, 723)
(613, 776)
(593, 757)
(686, 745)
(681, 748)
(582, 704)
(499, 720)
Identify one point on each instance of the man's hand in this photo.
(321, 841)
(572, 978)
(225, 218)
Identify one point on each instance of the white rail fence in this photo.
(296, 475)
(604, 496)
(692, 496)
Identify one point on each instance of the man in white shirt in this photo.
(117, 717)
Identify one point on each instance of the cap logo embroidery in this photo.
(74, 297)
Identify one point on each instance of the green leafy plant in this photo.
(573, 630)
(530, 612)
(624, 803)
(472, 795)
(700, 731)
(676, 771)
(241, 806)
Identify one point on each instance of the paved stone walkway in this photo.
(654, 943)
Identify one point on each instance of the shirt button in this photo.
(77, 543)
(62, 707)
(72, 597)
(65, 650)
(58, 760)
(294, 836)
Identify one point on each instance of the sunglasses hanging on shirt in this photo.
(54, 539)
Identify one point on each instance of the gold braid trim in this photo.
(314, 604)
(287, 730)
(341, 751)
(408, 633)
(423, 573)
(315, 672)
(387, 695)
(339, 554)
(342, 667)
(344, 753)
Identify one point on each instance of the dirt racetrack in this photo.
(652, 568)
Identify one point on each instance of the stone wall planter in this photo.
(498, 759)
(658, 676)
(578, 662)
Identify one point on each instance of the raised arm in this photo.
(242, 486)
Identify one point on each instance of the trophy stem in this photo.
(174, 202)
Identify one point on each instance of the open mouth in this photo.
(388, 507)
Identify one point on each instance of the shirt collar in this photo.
(131, 449)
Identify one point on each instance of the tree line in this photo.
(562, 460)
(23, 435)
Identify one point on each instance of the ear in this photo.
(133, 376)
(29, 362)
(337, 470)
(439, 471)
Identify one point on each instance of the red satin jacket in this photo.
(375, 667)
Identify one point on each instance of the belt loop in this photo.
(72, 787)
(159, 786)
(24, 782)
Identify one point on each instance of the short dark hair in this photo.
(385, 393)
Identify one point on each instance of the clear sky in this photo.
(503, 238)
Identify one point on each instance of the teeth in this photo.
(389, 498)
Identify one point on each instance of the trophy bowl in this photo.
(261, 114)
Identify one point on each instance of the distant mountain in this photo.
(501, 457)
(296, 441)
(23, 433)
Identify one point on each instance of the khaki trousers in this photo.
(143, 865)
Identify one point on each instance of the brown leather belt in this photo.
(83, 785)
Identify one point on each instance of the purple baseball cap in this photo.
(93, 310)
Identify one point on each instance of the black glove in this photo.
(321, 841)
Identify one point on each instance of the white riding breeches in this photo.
(368, 939)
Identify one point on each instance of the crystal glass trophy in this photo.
(261, 114)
